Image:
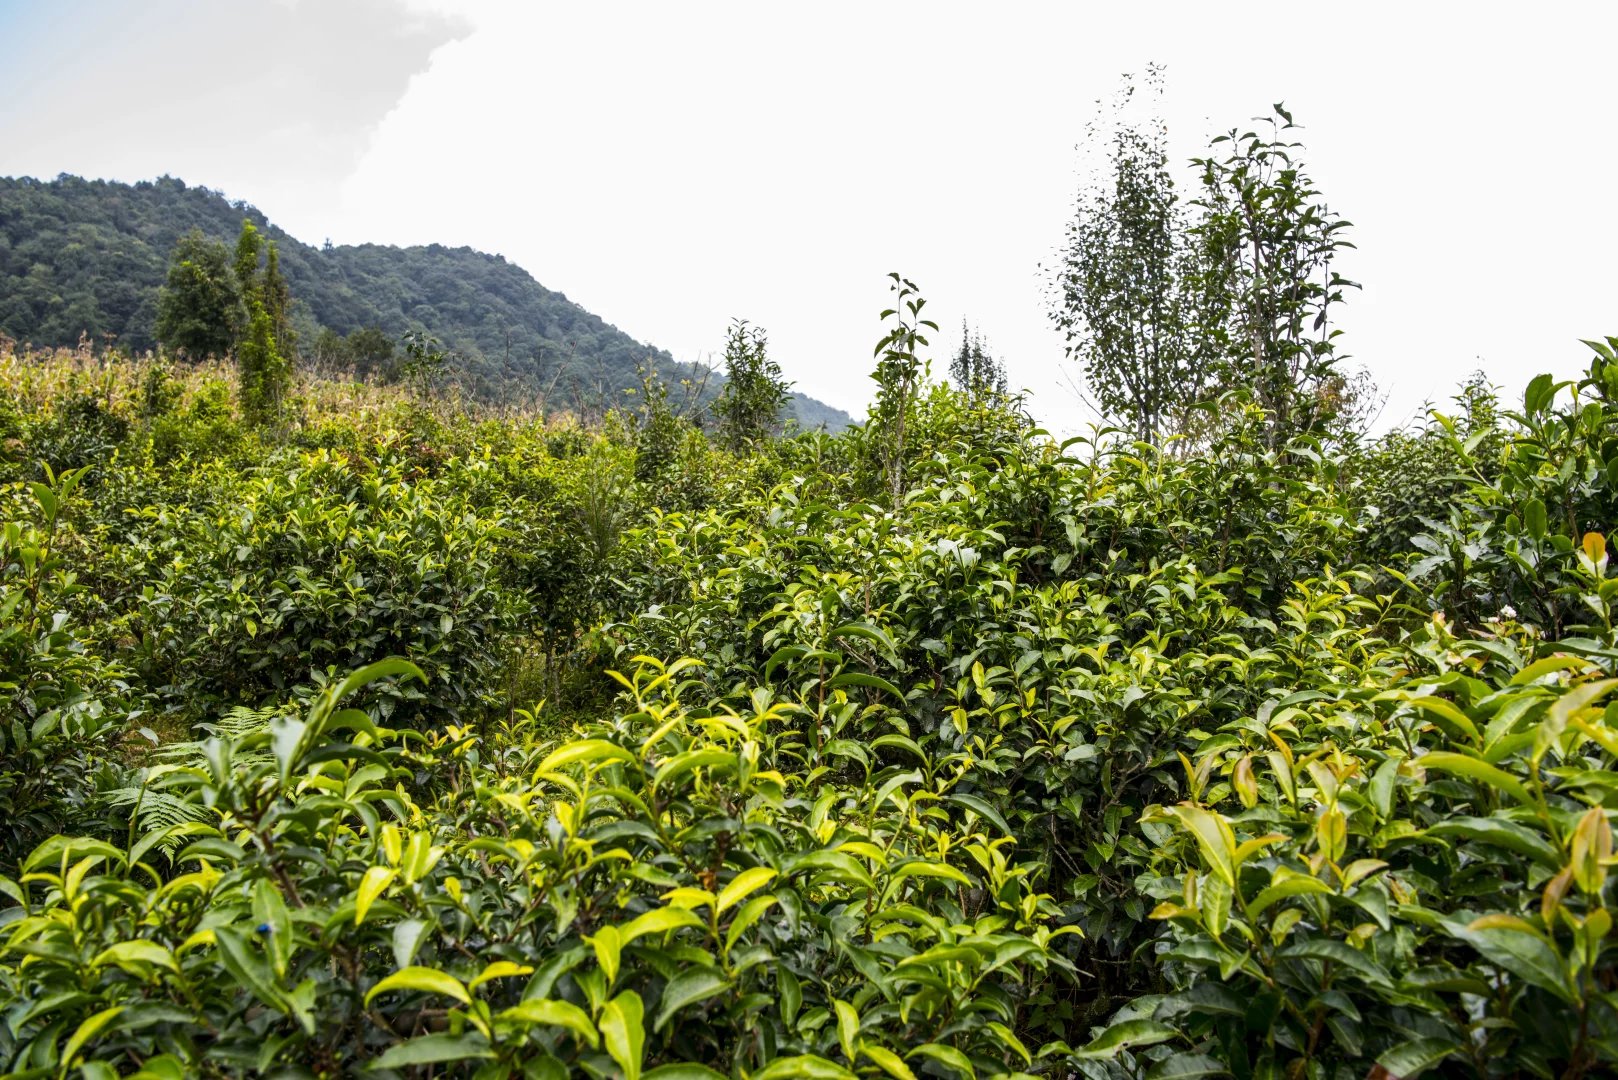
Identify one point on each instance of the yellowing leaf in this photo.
(1595, 547)
(1592, 850)
(1243, 782)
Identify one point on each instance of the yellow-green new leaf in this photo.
(499, 969)
(1446, 712)
(372, 885)
(889, 1062)
(623, 1033)
(848, 1027)
(803, 1067)
(132, 956)
(86, 1031)
(608, 944)
(1009, 1039)
(747, 916)
(742, 885)
(947, 1056)
(1292, 886)
(1214, 839)
(1473, 769)
(586, 750)
(429, 980)
(657, 921)
(922, 868)
(563, 1014)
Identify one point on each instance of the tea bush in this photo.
(406, 740)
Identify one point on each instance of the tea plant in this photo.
(399, 739)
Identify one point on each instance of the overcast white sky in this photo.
(670, 166)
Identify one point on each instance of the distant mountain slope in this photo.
(88, 256)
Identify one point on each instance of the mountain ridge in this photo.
(81, 256)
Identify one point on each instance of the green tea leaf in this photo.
(687, 988)
(563, 1014)
(428, 980)
(434, 1050)
(622, 1033)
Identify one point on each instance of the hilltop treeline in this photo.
(88, 257)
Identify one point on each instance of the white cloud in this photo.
(271, 102)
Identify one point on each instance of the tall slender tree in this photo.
(1124, 285)
(264, 372)
(1267, 245)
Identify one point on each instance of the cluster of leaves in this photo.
(936, 748)
(61, 701)
(373, 900)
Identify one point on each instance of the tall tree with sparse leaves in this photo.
(900, 373)
(1126, 286)
(1268, 243)
(1167, 306)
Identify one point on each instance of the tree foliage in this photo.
(1131, 299)
(1269, 242)
(749, 406)
(263, 357)
(200, 310)
(1169, 305)
(974, 369)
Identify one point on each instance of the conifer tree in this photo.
(264, 372)
(974, 369)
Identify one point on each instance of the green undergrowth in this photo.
(402, 739)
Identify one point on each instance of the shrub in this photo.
(62, 702)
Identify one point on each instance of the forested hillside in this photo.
(89, 256)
